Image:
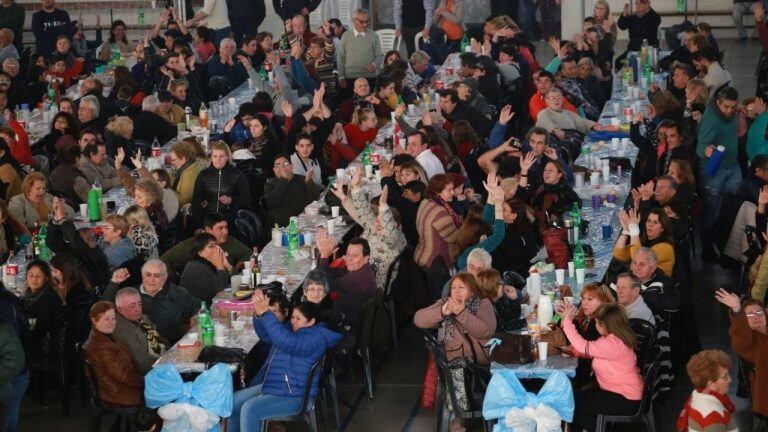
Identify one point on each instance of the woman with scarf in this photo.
(506, 298)
(708, 408)
(657, 235)
(207, 273)
(186, 168)
(44, 309)
(264, 144)
(553, 197)
(465, 321)
(149, 195)
(63, 123)
(437, 225)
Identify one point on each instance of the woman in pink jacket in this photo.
(620, 386)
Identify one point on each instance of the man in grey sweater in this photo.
(359, 55)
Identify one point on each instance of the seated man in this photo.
(169, 306)
(215, 224)
(287, 193)
(555, 120)
(628, 295)
(355, 284)
(544, 81)
(136, 331)
(659, 290)
(118, 248)
(419, 148)
(94, 166)
(420, 71)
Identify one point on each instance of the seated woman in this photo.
(149, 195)
(437, 225)
(708, 407)
(44, 310)
(749, 340)
(208, 271)
(556, 120)
(34, 204)
(465, 319)
(506, 300)
(118, 247)
(186, 168)
(221, 188)
(620, 385)
(477, 233)
(295, 348)
(553, 197)
(380, 223)
(142, 232)
(520, 242)
(657, 236)
(361, 130)
(682, 172)
(119, 383)
(11, 231)
(592, 297)
(63, 123)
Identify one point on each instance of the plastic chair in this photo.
(100, 409)
(308, 403)
(387, 38)
(388, 300)
(317, 16)
(53, 361)
(646, 337)
(247, 234)
(345, 9)
(219, 86)
(255, 221)
(445, 384)
(644, 413)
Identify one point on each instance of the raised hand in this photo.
(309, 175)
(337, 188)
(624, 219)
(119, 158)
(120, 275)
(634, 217)
(137, 160)
(383, 196)
(357, 177)
(287, 108)
(729, 299)
(527, 162)
(506, 115)
(326, 245)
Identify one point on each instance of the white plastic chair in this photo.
(418, 38)
(317, 16)
(344, 9)
(387, 40)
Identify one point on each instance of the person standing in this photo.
(412, 17)
(216, 14)
(287, 9)
(245, 16)
(642, 25)
(360, 54)
(740, 8)
(12, 17)
(48, 24)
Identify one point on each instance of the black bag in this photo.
(472, 377)
(215, 354)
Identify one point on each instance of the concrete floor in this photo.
(399, 373)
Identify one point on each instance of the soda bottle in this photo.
(255, 268)
(366, 154)
(94, 202)
(578, 256)
(576, 218)
(203, 116)
(43, 252)
(156, 149)
(293, 236)
(140, 19)
(205, 325)
(681, 6)
(464, 44)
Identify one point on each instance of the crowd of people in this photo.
(469, 199)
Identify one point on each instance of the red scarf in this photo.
(682, 419)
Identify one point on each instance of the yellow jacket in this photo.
(664, 252)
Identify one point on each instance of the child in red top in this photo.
(18, 141)
(362, 129)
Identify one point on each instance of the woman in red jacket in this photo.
(362, 129)
(18, 141)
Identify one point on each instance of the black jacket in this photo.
(286, 198)
(45, 310)
(641, 27)
(247, 12)
(148, 125)
(169, 309)
(516, 251)
(288, 8)
(213, 183)
(64, 238)
(202, 279)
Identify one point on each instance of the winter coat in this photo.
(202, 279)
(213, 183)
(118, 380)
(291, 355)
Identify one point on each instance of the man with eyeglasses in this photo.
(360, 54)
(168, 305)
(287, 193)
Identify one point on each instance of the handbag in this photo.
(513, 349)
(556, 243)
(216, 354)
(470, 380)
(555, 338)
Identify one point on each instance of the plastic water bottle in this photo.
(713, 164)
(293, 236)
(25, 113)
(141, 19)
(11, 272)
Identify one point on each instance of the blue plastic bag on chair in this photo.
(505, 393)
(211, 390)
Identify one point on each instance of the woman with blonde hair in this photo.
(363, 129)
(220, 188)
(606, 26)
(34, 204)
(142, 232)
(149, 195)
(118, 134)
(185, 171)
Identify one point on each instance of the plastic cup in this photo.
(331, 226)
(238, 325)
(560, 276)
(369, 171)
(340, 175)
(570, 269)
(568, 300)
(580, 276)
(234, 282)
(543, 347)
(220, 340)
(84, 212)
(578, 179)
(335, 211)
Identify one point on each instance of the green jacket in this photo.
(716, 130)
(11, 358)
(178, 256)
